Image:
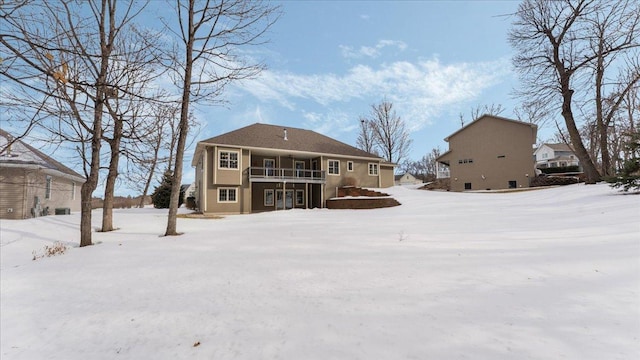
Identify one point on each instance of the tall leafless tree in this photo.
(130, 76)
(209, 36)
(554, 41)
(58, 53)
(389, 133)
(366, 140)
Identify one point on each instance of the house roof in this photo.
(560, 147)
(265, 136)
(25, 155)
(487, 116)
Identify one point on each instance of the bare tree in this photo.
(555, 48)
(426, 168)
(58, 56)
(388, 132)
(478, 111)
(130, 75)
(366, 139)
(210, 34)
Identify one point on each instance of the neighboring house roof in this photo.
(265, 136)
(560, 147)
(21, 154)
(533, 126)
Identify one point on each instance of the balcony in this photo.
(262, 174)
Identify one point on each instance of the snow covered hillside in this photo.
(545, 274)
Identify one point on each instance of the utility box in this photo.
(63, 211)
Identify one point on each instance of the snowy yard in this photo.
(545, 274)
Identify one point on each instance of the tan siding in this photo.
(386, 176)
(228, 176)
(19, 189)
(501, 152)
(11, 193)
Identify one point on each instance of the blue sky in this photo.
(328, 61)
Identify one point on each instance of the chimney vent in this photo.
(285, 135)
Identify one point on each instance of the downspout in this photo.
(24, 196)
(205, 180)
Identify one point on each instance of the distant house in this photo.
(490, 153)
(554, 156)
(265, 167)
(407, 179)
(34, 184)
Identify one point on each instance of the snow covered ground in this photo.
(545, 274)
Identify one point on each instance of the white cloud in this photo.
(329, 124)
(371, 51)
(418, 90)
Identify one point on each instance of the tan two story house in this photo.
(490, 153)
(265, 167)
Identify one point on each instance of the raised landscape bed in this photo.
(359, 198)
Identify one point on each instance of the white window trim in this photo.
(296, 195)
(350, 166)
(273, 197)
(329, 167)
(376, 167)
(227, 201)
(229, 152)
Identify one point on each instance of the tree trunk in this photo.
(183, 129)
(590, 171)
(107, 208)
(87, 189)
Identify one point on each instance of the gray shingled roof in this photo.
(25, 154)
(560, 147)
(272, 137)
(533, 126)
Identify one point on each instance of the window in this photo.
(47, 190)
(334, 167)
(73, 190)
(299, 197)
(227, 195)
(269, 165)
(513, 184)
(467, 186)
(373, 169)
(349, 165)
(299, 168)
(228, 160)
(268, 197)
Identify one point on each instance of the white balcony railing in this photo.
(264, 174)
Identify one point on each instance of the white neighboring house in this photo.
(555, 155)
(406, 179)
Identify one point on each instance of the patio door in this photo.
(284, 202)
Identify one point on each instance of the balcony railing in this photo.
(263, 174)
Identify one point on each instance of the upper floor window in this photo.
(334, 167)
(228, 160)
(349, 165)
(73, 190)
(373, 169)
